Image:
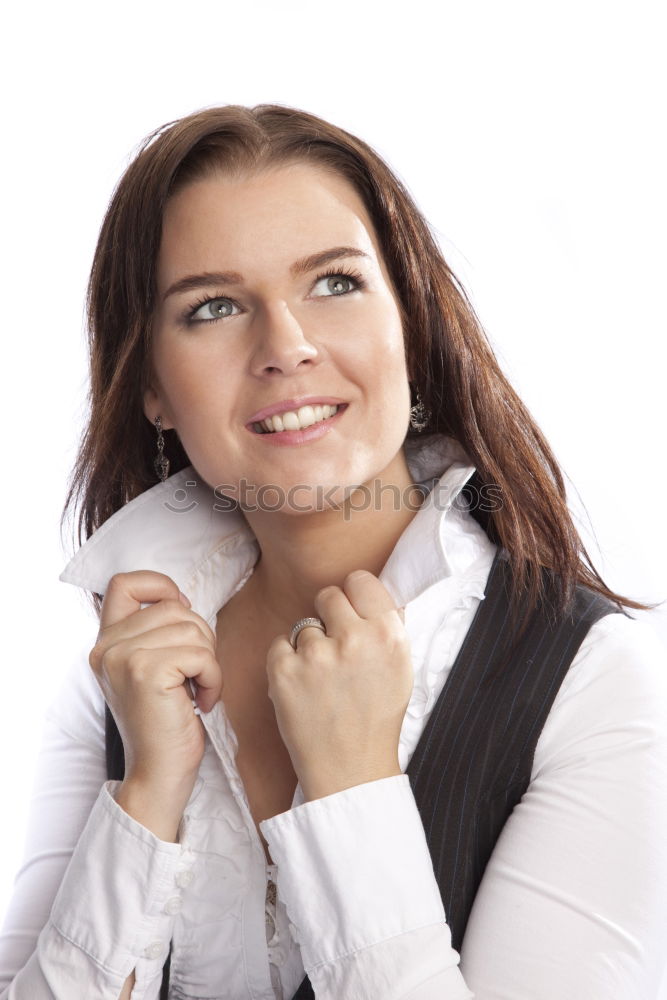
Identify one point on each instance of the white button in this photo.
(173, 905)
(154, 950)
(183, 879)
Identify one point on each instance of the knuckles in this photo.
(356, 577)
(116, 581)
(94, 658)
(391, 627)
(102, 654)
(136, 663)
(190, 629)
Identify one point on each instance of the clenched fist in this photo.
(340, 698)
(142, 660)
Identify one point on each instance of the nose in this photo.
(281, 345)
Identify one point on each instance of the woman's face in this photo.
(276, 330)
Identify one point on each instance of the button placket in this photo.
(185, 875)
(154, 950)
(184, 878)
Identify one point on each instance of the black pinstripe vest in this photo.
(474, 759)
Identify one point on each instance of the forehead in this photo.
(264, 219)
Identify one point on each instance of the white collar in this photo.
(178, 528)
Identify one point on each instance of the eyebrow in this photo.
(301, 266)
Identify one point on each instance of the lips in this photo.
(331, 412)
(297, 438)
(292, 404)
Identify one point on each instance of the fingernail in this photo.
(183, 599)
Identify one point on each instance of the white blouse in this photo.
(573, 903)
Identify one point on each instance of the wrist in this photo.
(156, 805)
(318, 788)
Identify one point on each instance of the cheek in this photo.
(189, 380)
(388, 352)
(377, 333)
(376, 361)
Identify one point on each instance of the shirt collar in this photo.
(182, 528)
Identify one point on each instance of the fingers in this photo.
(334, 608)
(161, 624)
(367, 595)
(185, 633)
(127, 591)
(197, 664)
(309, 632)
(163, 659)
(279, 648)
(163, 613)
(362, 595)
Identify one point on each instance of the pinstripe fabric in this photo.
(474, 759)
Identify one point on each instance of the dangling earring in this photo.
(160, 463)
(419, 417)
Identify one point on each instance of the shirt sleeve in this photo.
(573, 902)
(95, 895)
(356, 875)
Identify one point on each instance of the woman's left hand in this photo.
(340, 698)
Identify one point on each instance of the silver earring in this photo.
(160, 463)
(419, 417)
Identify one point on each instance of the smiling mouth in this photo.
(297, 420)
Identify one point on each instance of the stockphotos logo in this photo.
(268, 497)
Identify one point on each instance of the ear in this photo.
(153, 407)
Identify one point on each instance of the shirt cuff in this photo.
(354, 868)
(120, 893)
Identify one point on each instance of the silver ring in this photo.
(305, 623)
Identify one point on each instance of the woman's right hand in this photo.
(142, 659)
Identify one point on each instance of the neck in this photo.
(301, 554)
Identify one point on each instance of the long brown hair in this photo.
(448, 355)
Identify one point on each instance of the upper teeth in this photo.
(294, 420)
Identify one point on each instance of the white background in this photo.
(530, 134)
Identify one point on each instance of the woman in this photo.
(354, 604)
